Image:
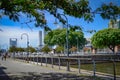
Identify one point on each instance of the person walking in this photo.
(5, 56)
(2, 57)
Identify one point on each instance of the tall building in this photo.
(114, 24)
(117, 24)
(13, 42)
(41, 39)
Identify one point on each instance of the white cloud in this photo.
(15, 32)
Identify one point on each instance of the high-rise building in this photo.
(117, 24)
(114, 24)
(13, 42)
(41, 39)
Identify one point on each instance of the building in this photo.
(114, 24)
(13, 42)
(88, 46)
(41, 39)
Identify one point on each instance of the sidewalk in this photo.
(72, 70)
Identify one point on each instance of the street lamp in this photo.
(77, 44)
(27, 42)
(67, 42)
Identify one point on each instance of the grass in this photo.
(101, 67)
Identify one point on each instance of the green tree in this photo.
(46, 49)
(20, 49)
(59, 49)
(13, 49)
(106, 38)
(58, 37)
(31, 49)
(73, 49)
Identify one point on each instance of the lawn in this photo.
(101, 67)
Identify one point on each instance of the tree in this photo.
(31, 49)
(58, 37)
(106, 38)
(73, 49)
(46, 49)
(13, 49)
(59, 49)
(34, 10)
(16, 49)
(55, 37)
(20, 49)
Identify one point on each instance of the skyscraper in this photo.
(114, 24)
(13, 42)
(40, 38)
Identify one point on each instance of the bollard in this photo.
(68, 64)
(79, 64)
(41, 60)
(33, 58)
(59, 62)
(37, 58)
(94, 68)
(46, 61)
(114, 68)
(52, 61)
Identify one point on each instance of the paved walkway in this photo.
(20, 70)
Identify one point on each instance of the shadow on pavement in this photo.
(3, 75)
(51, 76)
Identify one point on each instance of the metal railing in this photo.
(92, 61)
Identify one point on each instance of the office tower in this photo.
(40, 38)
(13, 42)
(114, 24)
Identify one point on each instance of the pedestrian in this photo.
(2, 57)
(5, 56)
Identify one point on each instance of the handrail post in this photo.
(59, 62)
(79, 64)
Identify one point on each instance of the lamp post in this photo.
(67, 41)
(77, 44)
(27, 42)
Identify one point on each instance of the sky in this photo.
(10, 29)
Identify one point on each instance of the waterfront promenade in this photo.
(20, 70)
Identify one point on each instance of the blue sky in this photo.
(15, 29)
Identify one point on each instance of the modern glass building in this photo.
(114, 24)
(13, 42)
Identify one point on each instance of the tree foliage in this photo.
(16, 49)
(109, 11)
(31, 49)
(13, 49)
(106, 38)
(20, 49)
(59, 49)
(35, 10)
(58, 37)
(73, 49)
(46, 49)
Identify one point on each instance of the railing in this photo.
(93, 62)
